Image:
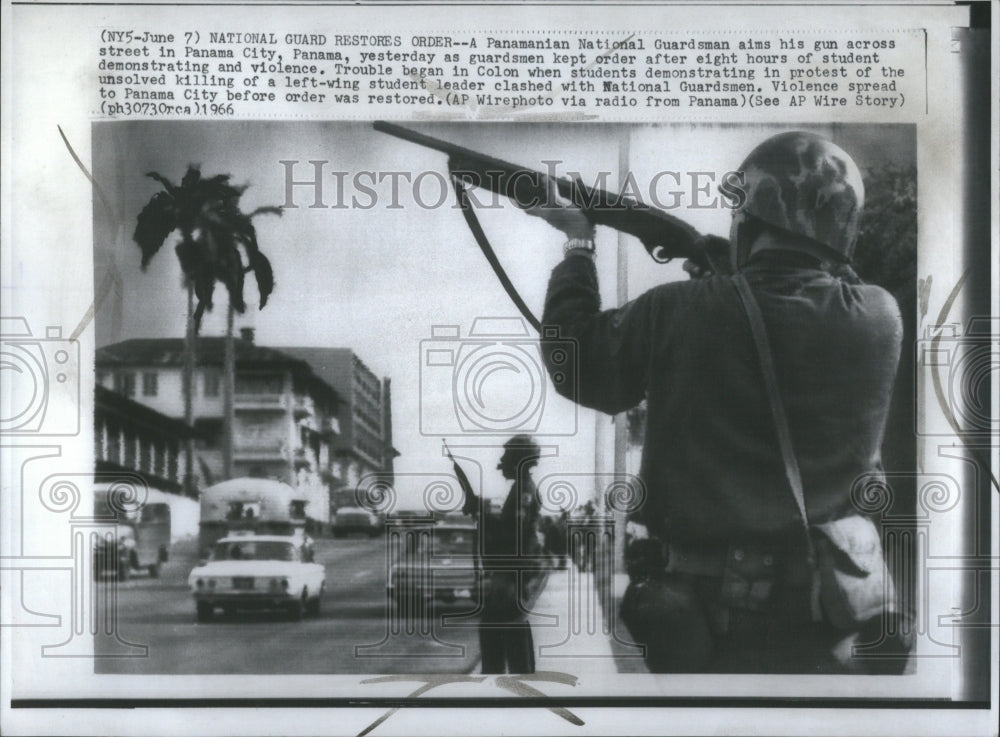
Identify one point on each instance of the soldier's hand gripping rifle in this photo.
(664, 236)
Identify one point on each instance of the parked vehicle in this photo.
(140, 539)
(247, 571)
(347, 520)
(261, 506)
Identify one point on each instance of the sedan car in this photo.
(439, 564)
(258, 572)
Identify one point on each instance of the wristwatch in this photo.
(581, 245)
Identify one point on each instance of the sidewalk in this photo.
(574, 634)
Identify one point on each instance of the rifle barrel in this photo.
(483, 161)
(664, 236)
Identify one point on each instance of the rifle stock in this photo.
(664, 236)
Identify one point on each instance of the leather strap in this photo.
(792, 471)
(484, 245)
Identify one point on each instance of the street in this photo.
(351, 634)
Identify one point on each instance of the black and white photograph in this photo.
(346, 439)
(448, 403)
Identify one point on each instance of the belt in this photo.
(695, 561)
(750, 580)
(782, 560)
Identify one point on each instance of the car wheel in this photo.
(204, 611)
(314, 604)
(297, 609)
(154, 570)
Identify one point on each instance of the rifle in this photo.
(664, 236)
(471, 505)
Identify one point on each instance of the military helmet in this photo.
(522, 448)
(806, 185)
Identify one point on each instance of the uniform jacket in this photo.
(711, 461)
(511, 539)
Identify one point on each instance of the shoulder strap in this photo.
(484, 245)
(759, 331)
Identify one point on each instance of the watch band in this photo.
(579, 244)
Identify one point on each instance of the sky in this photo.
(388, 276)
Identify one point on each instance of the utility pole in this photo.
(229, 387)
(621, 419)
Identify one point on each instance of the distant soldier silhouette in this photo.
(510, 556)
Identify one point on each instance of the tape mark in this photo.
(112, 278)
(939, 388)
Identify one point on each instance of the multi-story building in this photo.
(365, 442)
(285, 417)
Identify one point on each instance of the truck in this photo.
(250, 505)
(140, 539)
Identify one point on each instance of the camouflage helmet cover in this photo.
(807, 185)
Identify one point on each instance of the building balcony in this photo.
(260, 451)
(276, 402)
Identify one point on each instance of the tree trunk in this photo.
(229, 378)
(189, 363)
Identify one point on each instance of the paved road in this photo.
(160, 613)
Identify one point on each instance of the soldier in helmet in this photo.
(724, 576)
(511, 554)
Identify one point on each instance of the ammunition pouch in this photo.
(663, 612)
(684, 602)
(857, 595)
(853, 583)
(679, 598)
(666, 616)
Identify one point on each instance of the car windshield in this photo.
(452, 542)
(254, 550)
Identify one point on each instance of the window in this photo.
(129, 446)
(172, 452)
(150, 383)
(255, 550)
(146, 456)
(213, 381)
(125, 383)
(114, 447)
(160, 459)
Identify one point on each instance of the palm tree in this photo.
(218, 243)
